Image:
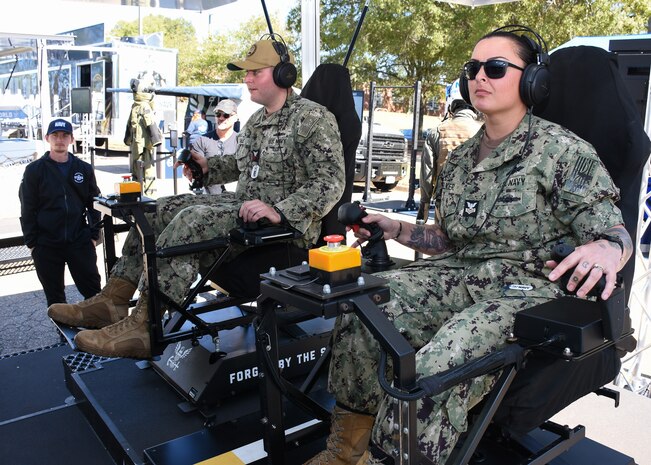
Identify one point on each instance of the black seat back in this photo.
(589, 97)
(330, 86)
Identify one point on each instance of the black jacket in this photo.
(54, 210)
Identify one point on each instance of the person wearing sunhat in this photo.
(57, 217)
(289, 170)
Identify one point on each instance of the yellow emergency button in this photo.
(335, 263)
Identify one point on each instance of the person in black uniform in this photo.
(57, 217)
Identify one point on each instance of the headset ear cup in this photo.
(463, 89)
(284, 75)
(534, 85)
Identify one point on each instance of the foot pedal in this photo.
(68, 333)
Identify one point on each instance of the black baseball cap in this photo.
(59, 125)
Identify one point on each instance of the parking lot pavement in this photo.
(24, 324)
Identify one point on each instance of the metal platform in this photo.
(15, 259)
(142, 420)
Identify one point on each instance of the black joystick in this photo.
(248, 225)
(351, 214)
(562, 250)
(185, 157)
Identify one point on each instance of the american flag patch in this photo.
(581, 176)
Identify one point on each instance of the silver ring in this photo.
(598, 267)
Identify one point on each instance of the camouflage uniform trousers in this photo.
(179, 220)
(433, 310)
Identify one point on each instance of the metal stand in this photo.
(410, 204)
(295, 288)
(133, 213)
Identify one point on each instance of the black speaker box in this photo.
(578, 321)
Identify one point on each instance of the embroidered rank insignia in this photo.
(470, 209)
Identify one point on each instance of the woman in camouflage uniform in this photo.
(504, 199)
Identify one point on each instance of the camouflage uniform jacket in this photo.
(504, 215)
(299, 158)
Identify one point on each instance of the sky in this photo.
(55, 16)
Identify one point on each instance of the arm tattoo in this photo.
(430, 240)
(621, 232)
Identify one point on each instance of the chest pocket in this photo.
(515, 215)
(274, 164)
(450, 202)
(514, 202)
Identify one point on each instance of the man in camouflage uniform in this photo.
(289, 168)
(502, 217)
(459, 125)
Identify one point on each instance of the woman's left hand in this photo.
(590, 261)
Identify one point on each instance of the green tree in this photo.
(218, 50)
(177, 33)
(406, 40)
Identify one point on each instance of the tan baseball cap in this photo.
(262, 54)
(227, 106)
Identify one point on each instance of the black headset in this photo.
(535, 81)
(284, 73)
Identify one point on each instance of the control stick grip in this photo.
(185, 157)
(562, 250)
(351, 214)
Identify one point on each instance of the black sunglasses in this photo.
(494, 69)
(220, 114)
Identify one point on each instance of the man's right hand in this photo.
(199, 159)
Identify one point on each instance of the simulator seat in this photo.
(589, 97)
(329, 86)
(239, 278)
(561, 351)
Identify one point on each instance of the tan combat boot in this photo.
(103, 309)
(126, 338)
(349, 437)
(368, 459)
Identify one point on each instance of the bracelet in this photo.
(611, 238)
(399, 231)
